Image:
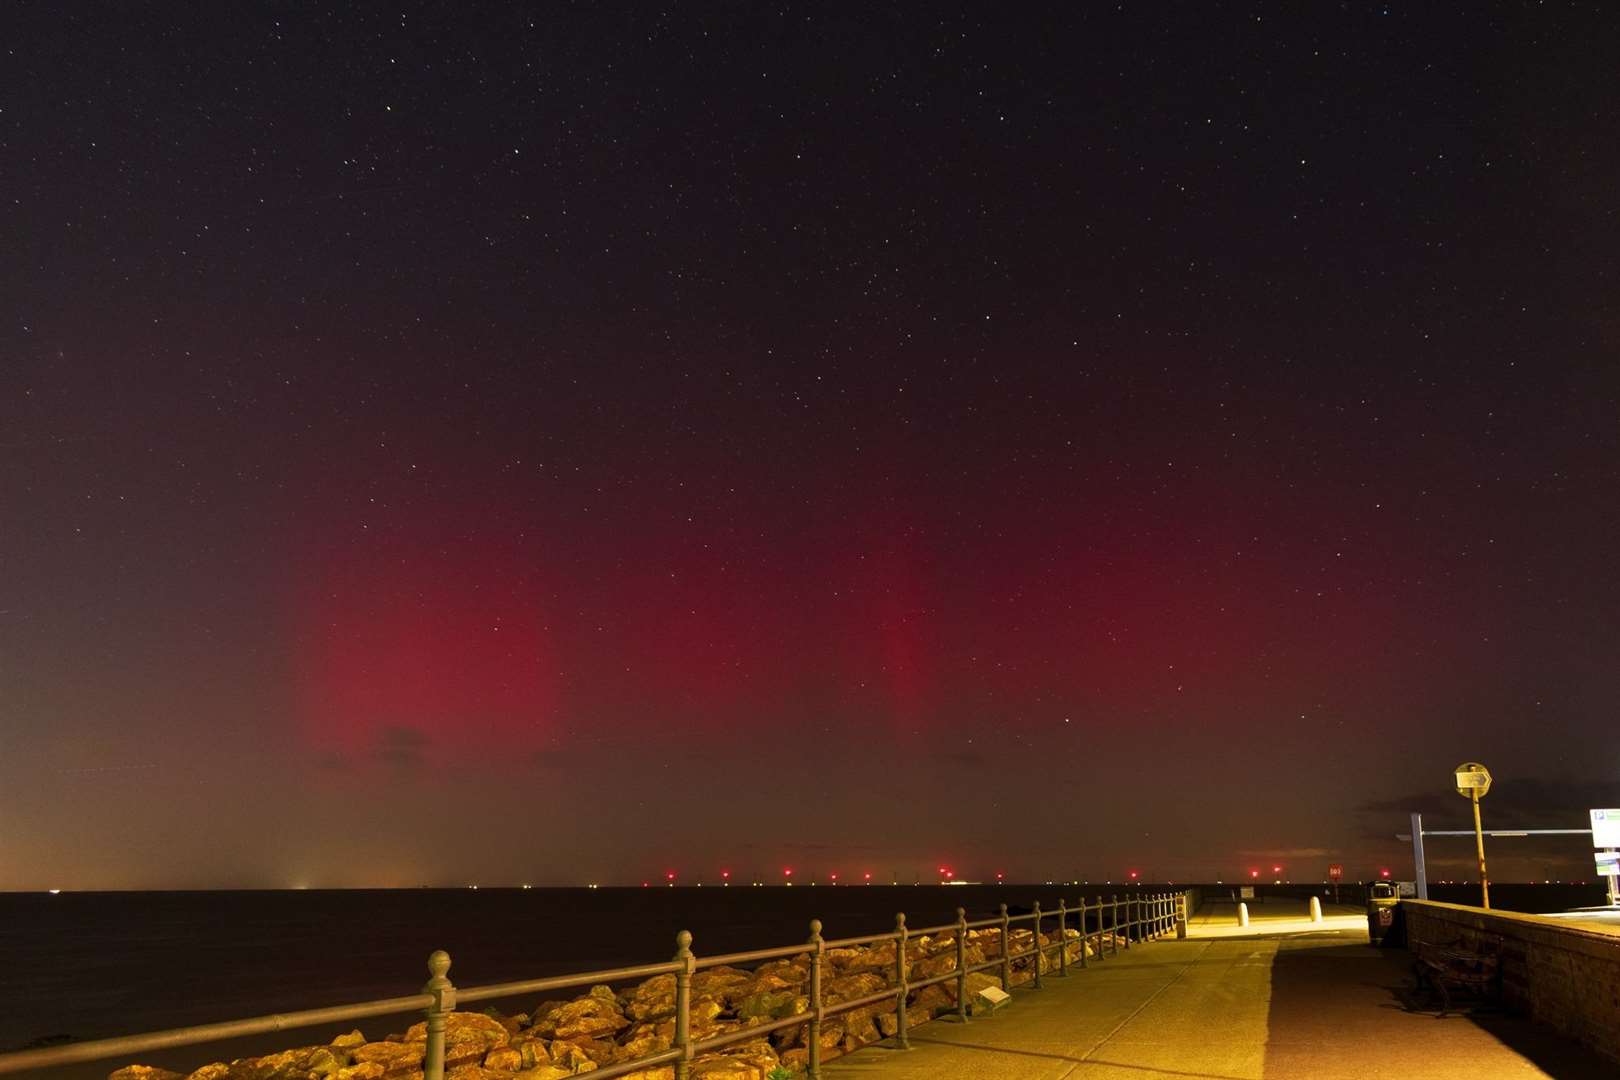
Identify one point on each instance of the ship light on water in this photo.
(54, 892)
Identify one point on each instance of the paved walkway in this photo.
(1281, 1000)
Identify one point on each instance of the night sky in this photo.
(551, 444)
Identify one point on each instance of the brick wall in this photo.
(1564, 976)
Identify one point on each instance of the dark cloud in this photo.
(401, 745)
(1521, 803)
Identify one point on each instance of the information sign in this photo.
(1606, 828)
(1608, 862)
(1473, 778)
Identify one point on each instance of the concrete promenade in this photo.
(1280, 1000)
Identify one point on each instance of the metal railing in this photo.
(1118, 922)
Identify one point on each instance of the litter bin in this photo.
(1381, 901)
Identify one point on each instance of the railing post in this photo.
(1006, 949)
(816, 1016)
(961, 965)
(900, 936)
(1063, 938)
(1130, 922)
(1035, 943)
(683, 1003)
(444, 1003)
(1181, 917)
(1085, 936)
(1114, 920)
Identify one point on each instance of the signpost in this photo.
(1606, 836)
(1473, 781)
(1335, 875)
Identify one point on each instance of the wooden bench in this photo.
(1446, 969)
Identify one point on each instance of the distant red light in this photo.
(725, 873)
(787, 871)
(1254, 873)
(670, 875)
(1133, 875)
(1383, 873)
(1276, 869)
(868, 875)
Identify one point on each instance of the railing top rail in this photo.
(100, 1049)
(563, 982)
(781, 952)
(869, 939)
(975, 925)
(932, 930)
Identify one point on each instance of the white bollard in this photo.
(1316, 910)
(1243, 914)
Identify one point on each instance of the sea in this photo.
(91, 965)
